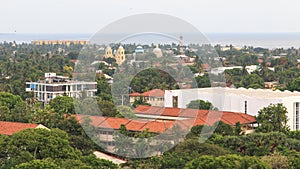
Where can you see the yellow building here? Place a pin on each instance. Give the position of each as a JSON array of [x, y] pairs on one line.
[[157, 51], [60, 42], [119, 55]]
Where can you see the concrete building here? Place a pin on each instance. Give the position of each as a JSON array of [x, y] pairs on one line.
[[53, 86], [248, 101]]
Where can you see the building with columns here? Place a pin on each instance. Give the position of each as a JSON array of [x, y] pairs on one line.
[[53, 86]]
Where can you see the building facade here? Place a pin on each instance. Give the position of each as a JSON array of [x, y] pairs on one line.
[[248, 101], [154, 97], [119, 55], [60, 42], [53, 86]]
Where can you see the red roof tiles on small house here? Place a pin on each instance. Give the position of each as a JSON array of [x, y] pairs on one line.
[[113, 123], [9, 128], [154, 93], [135, 94]]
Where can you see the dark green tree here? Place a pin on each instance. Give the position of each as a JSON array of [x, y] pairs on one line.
[[200, 104], [273, 118]]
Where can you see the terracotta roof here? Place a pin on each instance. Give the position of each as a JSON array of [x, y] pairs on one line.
[[154, 93], [136, 125], [113, 123], [208, 117], [157, 127], [205, 66], [9, 128], [166, 111], [135, 94]]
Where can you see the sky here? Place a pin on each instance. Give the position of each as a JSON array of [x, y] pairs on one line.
[[89, 16]]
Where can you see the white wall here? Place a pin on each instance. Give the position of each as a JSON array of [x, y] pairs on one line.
[[232, 102]]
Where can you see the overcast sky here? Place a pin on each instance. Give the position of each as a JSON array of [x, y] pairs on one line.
[[88, 16]]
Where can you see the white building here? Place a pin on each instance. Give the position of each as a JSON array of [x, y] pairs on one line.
[[53, 86], [249, 101], [219, 70]]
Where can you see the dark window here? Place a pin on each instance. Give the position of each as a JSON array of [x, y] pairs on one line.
[[175, 101], [245, 107]]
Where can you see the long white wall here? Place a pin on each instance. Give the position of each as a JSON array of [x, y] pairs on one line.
[[226, 101]]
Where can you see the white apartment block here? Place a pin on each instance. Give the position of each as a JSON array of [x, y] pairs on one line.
[[53, 86]]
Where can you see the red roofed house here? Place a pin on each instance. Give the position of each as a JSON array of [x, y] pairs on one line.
[[158, 120], [154, 97], [9, 128]]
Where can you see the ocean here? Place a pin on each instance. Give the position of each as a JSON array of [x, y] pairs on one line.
[[265, 40]]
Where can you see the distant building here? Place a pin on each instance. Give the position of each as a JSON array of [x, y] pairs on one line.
[[119, 55], [219, 70], [249, 101], [53, 86], [139, 49], [157, 51], [60, 42], [154, 97]]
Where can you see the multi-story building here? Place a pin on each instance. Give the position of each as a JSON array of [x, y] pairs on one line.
[[249, 101], [53, 86]]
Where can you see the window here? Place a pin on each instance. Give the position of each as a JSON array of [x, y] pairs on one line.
[[296, 115], [245, 107], [175, 101]]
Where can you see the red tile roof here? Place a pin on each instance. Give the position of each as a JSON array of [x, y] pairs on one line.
[[136, 125], [9, 128], [135, 94], [194, 117], [158, 127], [208, 117], [154, 93], [113, 123]]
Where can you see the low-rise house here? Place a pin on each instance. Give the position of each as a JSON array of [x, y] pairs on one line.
[[154, 97], [9, 128]]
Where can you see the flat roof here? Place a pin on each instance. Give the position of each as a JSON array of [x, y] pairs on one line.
[[258, 93]]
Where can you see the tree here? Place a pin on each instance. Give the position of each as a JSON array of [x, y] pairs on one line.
[[140, 101], [295, 85], [37, 164], [63, 105], [203, 81], [200, 104], [273, 118], [276, 161], [125, 112], [226, 161], [252, 81]]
